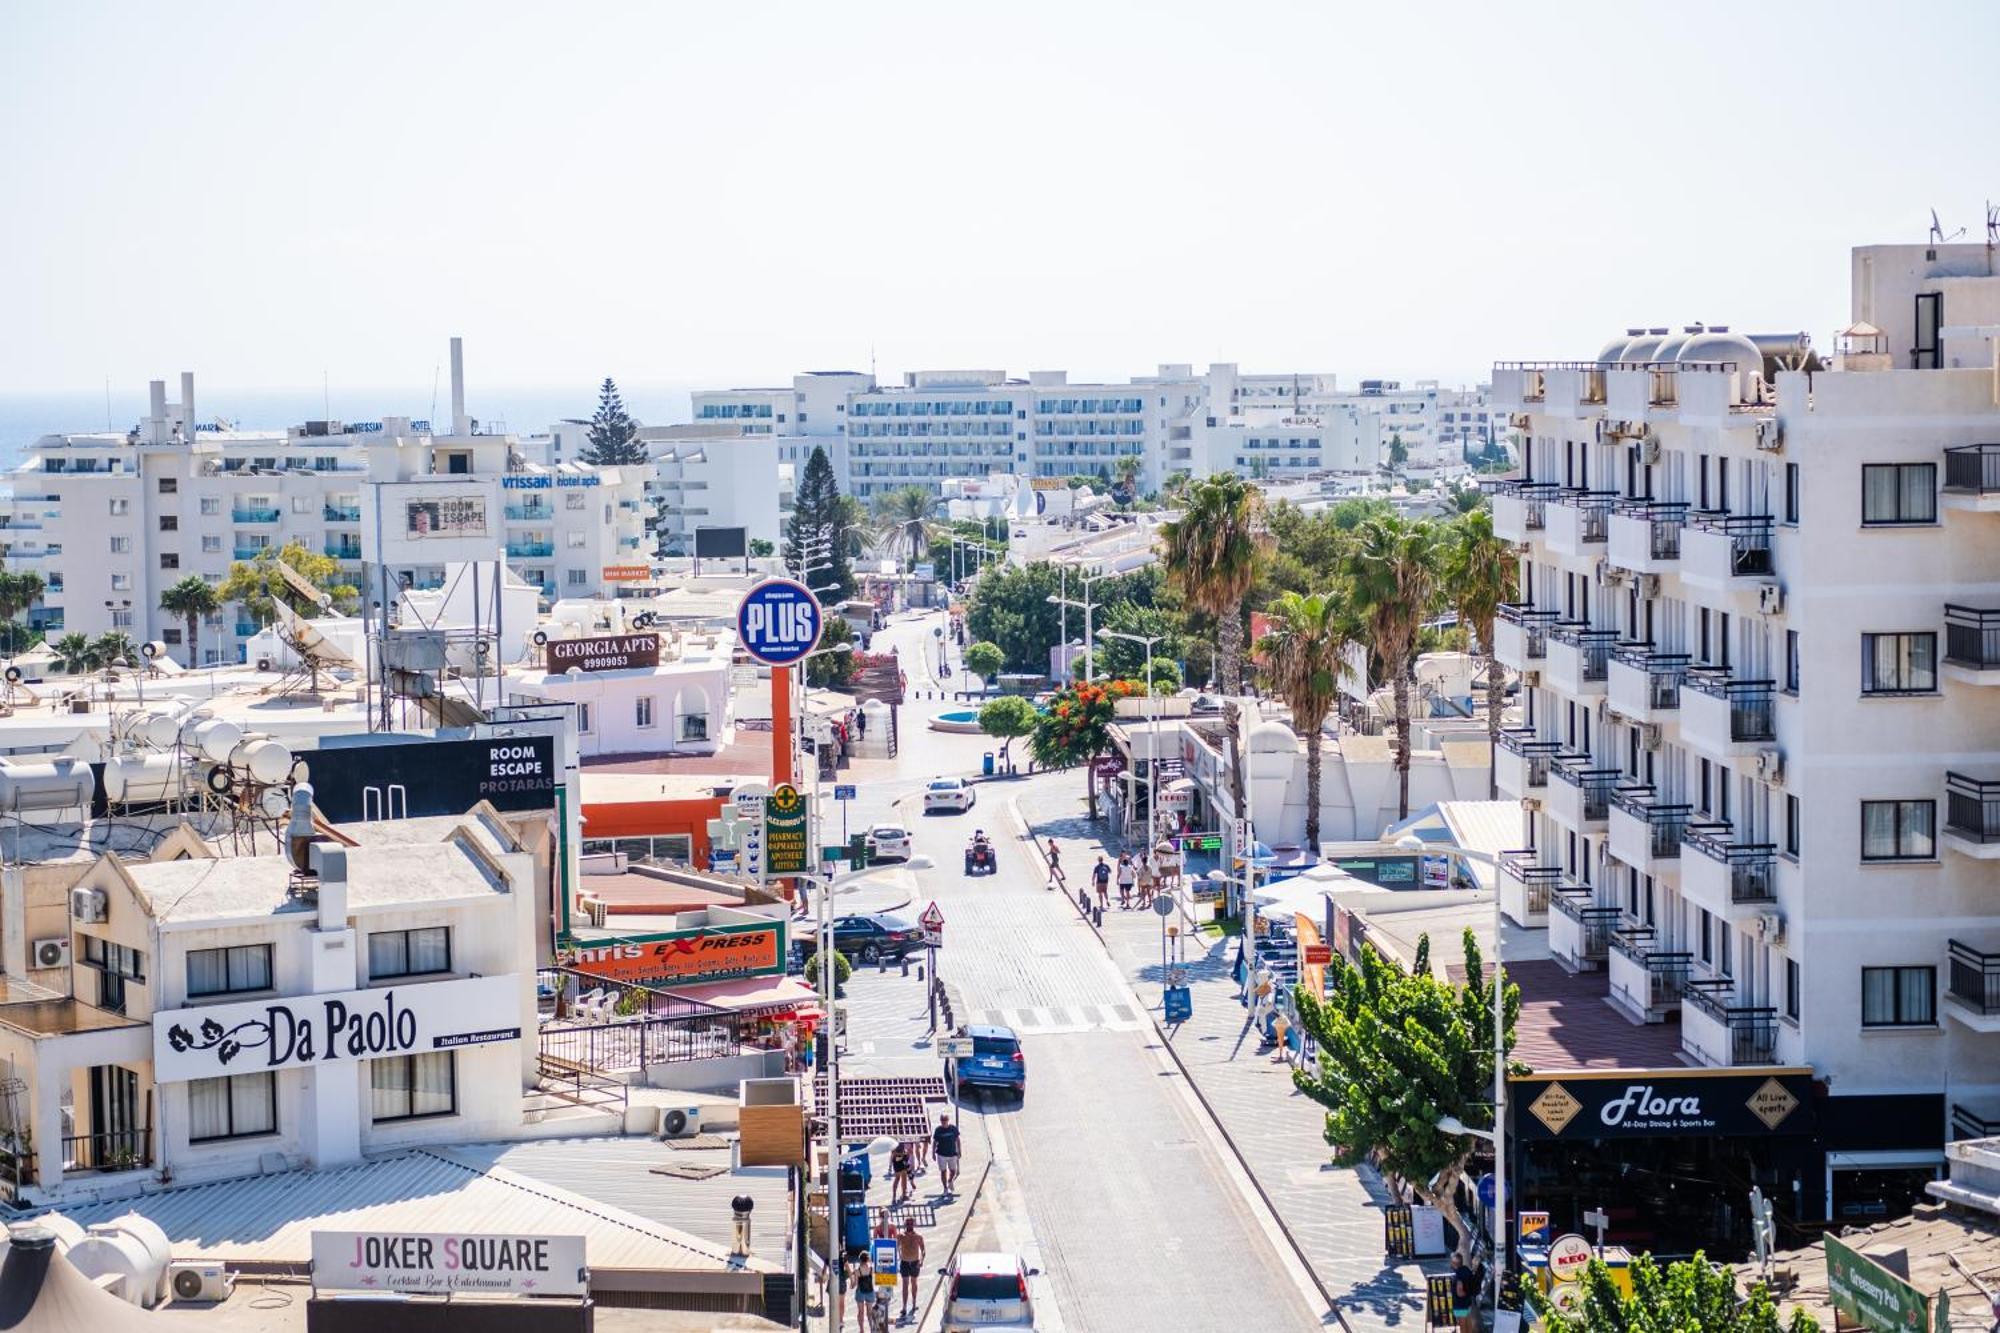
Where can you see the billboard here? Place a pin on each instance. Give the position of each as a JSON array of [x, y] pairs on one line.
[[617, 652], [712, 953], [717, 543], [446, 1262], [435, 777], [445, 516]]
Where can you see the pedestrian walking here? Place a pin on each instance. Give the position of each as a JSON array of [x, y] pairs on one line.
[[1127, 876], [944, 1145], [1281, 1032], [1146, 879], [909, 1264], [862, 1282], [1055, 866], [920, 1151], [1100, 875], [900, 1165], [1464, 1294]]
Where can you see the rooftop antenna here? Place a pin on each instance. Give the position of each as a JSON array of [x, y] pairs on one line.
[[434, 391], [1937, 231]]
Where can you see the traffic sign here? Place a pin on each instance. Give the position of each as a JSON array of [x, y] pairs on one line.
[[1568, 1257], [843, 792], [932, 918], [885, 1261], [954, 1048], [1163, 905], [1487, 1189], [833, 853], [779, 622], [1179, 1004]]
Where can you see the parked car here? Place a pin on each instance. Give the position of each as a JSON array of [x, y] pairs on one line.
[[949, 794], [872, 935], [996, 1060], [888, 842], [987, 1290]]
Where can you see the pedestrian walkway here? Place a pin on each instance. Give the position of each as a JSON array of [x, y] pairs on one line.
[[1333, 1214]]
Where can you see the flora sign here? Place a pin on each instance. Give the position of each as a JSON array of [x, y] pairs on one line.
[[211, 1040]]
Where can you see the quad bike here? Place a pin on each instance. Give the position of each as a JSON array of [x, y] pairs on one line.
[[979, 859]]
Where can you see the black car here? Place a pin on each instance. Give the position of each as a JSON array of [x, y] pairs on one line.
[[876, 935]]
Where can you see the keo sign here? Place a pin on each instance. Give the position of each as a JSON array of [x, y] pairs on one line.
[[778, 622]]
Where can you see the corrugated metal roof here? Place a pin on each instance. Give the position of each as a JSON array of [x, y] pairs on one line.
[[1484, 826], [270, 1219]]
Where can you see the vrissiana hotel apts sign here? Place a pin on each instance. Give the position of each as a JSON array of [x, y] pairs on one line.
[[207, 1041]]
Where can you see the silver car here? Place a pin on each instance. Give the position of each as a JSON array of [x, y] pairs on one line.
[[988, 1290]]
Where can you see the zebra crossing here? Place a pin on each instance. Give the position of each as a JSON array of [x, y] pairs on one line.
[[1049, 1020]]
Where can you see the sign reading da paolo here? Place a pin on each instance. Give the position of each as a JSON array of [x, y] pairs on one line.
[[423, 1261], [206, 1041]]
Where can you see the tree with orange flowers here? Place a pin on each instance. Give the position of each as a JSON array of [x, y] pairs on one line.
[[1075, 727]]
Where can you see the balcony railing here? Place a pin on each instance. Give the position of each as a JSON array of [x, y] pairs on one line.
[[1975, 978], [340, 513], [119, 1150], [1663, 822], [1593, 512], [1668, 969], [250, 552], [1535, 754], [530, 550], [1753, 1030], [342, 551], [1596, 923], [1749, 539], [1666, 518], [1593, 646], [1535, 625], [529, 513], [1972, 469], [253, 516], [1972, 637], [1663, 671], [1971, 808], [1752, 866], [1523, 866], [1967, 1125], [1751, 702], [1534, 496], [1595, 783]]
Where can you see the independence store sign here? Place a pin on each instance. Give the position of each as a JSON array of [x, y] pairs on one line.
[[437, 777], [424, 1261], [208, 1041], [1661, 1104]]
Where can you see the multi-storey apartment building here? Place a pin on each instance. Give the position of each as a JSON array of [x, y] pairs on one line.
[[1759, 632], [118, 518]]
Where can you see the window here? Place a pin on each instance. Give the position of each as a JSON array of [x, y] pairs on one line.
[[171, 637], [1792, 494], [1899, 663], [243, 967], [1898, 997], [408, 1087], [121, 545], [576, 539], [1707, 935], [115, 966], [1898, 493], [573, 500], [120, 507], [1791, 661], [1898, 830], [577, 577], [232, 1107], [121, 583], [168, 560], [583, 718], [644, 710], [170, 523], [170, 485], [121, 620], [211, 504], [1793, 819], [1792, 987], [409, 953], [211, 546]]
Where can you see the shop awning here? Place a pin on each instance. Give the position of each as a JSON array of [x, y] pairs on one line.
[[745, 994]]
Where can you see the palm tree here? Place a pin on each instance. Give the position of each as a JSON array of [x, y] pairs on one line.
[[1127, 475], [1211, 559], [112, 645], [191, 599], [18, 592], [1478, 576], [1304, 656], [903, 516], [75, 653], [1393, 570]]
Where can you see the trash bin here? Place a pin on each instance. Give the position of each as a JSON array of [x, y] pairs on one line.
[[988, 765], [853, 1224]]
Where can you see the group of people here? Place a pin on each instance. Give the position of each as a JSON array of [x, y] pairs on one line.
[[906, 1162], [1138, 877]]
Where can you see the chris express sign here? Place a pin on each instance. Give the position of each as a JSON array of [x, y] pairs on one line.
[[207, 1041], [427, 1261]]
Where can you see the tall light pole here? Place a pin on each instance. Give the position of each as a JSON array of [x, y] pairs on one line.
[[1409, 842], [1152, 726], [1089, 606]]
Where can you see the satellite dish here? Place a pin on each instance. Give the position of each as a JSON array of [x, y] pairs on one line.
[[13, 675], [149, 650], [540, 637]]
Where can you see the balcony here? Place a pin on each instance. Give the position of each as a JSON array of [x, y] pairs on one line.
[[1967, 1125], [253, 516], [340, 513], [1578, 657], [1645, 831], [1579, 930], [1972, 816], [1522, 765], [529, 514], [1721, 550], [250, 552], [1516, 384], [1645, 535], [1572, 389], [1525, 885], [1972, 645], [1972, 478], [1578, 520], [1726, 717], [343, 550], [1734, 880], [1719, 1032], [1580, 795], [1520, 635], [1644, 685], [1646, 981], [530, 550], [1520, 508], [115, 1150], [247, 629], [1972, 988]]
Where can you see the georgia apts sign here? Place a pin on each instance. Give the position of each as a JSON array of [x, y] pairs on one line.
[[207, 1041]]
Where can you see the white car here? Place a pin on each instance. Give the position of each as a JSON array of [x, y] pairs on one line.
[[988, 1290], [949, 794], [888, 842]]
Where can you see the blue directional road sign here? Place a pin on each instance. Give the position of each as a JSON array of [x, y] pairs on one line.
[[843, 792], [1179, 1004], [779, 622]]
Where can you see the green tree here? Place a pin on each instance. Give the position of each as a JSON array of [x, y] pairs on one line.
[[191, 598], [614, 436], [1125, 659], [1075, 728], [761, 549], [903, 520], [1304, 657], [1689, 1294], [819, 513], [19, 591], [842, 969], [257, 586], [1393, 573], [75, 653], [1007, 719], [985, 660], [1477, 577], [1399, 453], [1101, 481], [114, 645], [1399, 1053], [1010, 607], [831, 671], [1126, 486]]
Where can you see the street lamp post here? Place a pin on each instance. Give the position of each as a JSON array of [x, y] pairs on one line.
[[1089, 606], [1409, 842], [1152, 726]]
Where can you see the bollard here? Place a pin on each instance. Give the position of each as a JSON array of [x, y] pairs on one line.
[[906, 964], [1097, 916]]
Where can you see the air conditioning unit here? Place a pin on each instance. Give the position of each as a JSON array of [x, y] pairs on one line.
[[200, 1280], [597, 910], [680, 1122], [51, 952], [1649, 449], [1649, 585], [1609, 574], [1531, 679], [1771, 766], [1518, 420], [1531, 804], [1649, 735], [1771, 598], [88, 905], [1771, 435], [1771, 927]]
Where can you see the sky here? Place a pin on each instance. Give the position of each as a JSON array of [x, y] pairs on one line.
[[713, 194]]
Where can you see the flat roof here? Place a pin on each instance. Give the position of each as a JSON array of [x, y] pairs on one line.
[[40, 1017], [236, 887]]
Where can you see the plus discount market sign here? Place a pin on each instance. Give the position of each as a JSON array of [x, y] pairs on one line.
[[779, 622]]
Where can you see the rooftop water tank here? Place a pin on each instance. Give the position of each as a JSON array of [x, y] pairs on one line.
[[215, 738], [1745, 361], [141, 779], [62, 783]]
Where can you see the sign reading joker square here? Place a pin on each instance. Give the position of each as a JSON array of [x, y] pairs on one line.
[[778, 622], [421, 1261], [207, 1041]]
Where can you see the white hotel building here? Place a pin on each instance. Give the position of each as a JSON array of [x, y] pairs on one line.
[[1759, 761]]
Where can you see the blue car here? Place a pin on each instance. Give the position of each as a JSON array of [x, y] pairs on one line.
[[996, 1060]]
